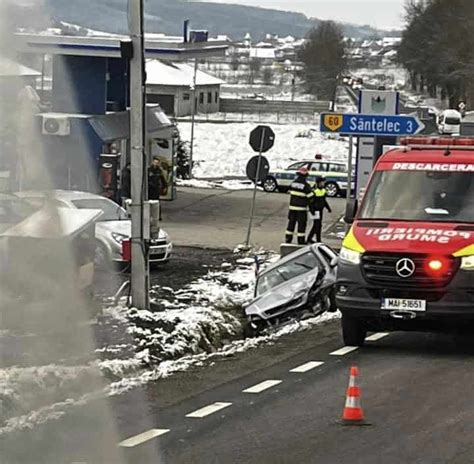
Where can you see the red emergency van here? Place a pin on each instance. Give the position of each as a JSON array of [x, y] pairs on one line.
[[408, 261]]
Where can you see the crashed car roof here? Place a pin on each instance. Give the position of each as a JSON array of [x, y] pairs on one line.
[[314, 247]]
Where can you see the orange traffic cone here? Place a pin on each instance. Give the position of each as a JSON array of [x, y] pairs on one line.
[[353, 413]]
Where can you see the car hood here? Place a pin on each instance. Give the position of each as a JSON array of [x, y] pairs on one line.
[[123, 227], [119, 227], [411, 237], [284, 293]]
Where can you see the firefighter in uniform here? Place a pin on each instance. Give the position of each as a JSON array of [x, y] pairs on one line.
[[301, 196], [320, 203]]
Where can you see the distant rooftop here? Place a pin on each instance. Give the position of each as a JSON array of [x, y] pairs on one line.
[[161, 73]]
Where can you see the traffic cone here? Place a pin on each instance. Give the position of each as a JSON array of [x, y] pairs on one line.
[[353, 413]]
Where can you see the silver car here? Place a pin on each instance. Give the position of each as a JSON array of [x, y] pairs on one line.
[[302, 282], [112, 228]]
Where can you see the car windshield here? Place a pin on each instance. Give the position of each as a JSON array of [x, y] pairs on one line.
[[295, 166], [111, 211], [420, 196], [287, 271]]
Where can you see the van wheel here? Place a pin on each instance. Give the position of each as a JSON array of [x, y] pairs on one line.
[[332, 189], [354, 331]]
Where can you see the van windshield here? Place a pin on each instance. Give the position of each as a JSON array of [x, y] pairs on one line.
[[420, 196], [452, 121]]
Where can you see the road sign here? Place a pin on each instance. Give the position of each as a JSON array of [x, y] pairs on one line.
[[370, 125], [262, 138], [263, 168]]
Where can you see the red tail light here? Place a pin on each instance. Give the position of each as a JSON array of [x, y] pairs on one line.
[[127, 250]]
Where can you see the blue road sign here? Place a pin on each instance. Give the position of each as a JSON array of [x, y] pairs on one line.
[[370, 125]]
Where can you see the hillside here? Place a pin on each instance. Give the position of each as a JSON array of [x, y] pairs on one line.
[[167, 16]]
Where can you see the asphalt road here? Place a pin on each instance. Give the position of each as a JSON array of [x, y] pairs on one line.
[[219, 218], [416, 393]]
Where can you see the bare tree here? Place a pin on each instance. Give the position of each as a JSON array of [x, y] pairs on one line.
[[324, 58]]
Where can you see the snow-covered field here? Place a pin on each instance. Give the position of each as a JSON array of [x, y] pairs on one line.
[[223, 149], [195, 325]]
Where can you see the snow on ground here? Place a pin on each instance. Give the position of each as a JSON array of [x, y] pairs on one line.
[[223, 150], [193, 326]]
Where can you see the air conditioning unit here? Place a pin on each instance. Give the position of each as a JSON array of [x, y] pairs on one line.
[[56, 125]]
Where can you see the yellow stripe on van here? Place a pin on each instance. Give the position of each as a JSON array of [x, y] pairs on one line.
[[468, 251], [351, 243]]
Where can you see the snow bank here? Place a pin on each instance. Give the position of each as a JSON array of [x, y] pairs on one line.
[[223, 149], [199, 323]]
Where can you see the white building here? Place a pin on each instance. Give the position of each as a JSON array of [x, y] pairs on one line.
[[170, 85]]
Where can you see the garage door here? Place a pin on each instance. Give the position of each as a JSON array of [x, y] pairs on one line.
[[165, 101]]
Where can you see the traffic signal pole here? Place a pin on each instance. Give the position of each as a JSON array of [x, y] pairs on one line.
[[140, 278]]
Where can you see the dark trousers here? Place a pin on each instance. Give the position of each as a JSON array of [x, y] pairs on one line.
[[316, 230], [300, 219]]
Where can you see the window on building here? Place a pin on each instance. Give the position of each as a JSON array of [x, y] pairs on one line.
[[186, 96], [217, 97], [209, 97], [201, 98]]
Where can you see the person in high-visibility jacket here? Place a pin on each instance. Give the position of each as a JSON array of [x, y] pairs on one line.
[[320, 203], [301, 196]]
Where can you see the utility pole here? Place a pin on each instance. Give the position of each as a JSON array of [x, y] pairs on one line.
[[193, 118], [140, 279]]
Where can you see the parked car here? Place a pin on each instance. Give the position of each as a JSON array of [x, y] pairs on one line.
[[112, 228], [302, 282], [334, 172]]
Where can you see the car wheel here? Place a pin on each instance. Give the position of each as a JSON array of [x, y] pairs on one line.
[[354, 331], [102, 258], [270, 185], [332, 189]]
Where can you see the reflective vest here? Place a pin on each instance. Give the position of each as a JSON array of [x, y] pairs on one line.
[[319, 200], [301, 194]]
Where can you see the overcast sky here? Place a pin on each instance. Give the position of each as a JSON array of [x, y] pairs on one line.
[[379, 13]]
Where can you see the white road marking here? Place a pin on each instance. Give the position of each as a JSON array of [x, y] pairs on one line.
[[260, 387], [344, 351], [142, 438], [377, 336], [307, 367], [208, 410]]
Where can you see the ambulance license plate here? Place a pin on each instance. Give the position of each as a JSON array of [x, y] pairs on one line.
[[397, 304]]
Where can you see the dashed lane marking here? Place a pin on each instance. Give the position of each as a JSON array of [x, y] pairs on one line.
[[344, 351], [377, 336], [208, 410], [307, 367], [142, 438], [260, 387]]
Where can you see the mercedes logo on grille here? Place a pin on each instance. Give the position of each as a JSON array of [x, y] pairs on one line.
[[405, 268]]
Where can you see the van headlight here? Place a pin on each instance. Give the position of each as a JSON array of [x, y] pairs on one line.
[[350, 256], [467, 263]]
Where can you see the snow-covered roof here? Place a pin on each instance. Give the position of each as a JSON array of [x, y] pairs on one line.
[[9, 68], [176, 74], [264, 45]]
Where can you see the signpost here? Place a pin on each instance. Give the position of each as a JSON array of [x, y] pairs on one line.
[[368, 125], [262, 139]]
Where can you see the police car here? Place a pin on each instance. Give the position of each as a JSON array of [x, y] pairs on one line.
[[335, 174]]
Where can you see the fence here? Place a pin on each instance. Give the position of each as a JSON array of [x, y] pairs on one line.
[[237, 105], [275, 118]]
